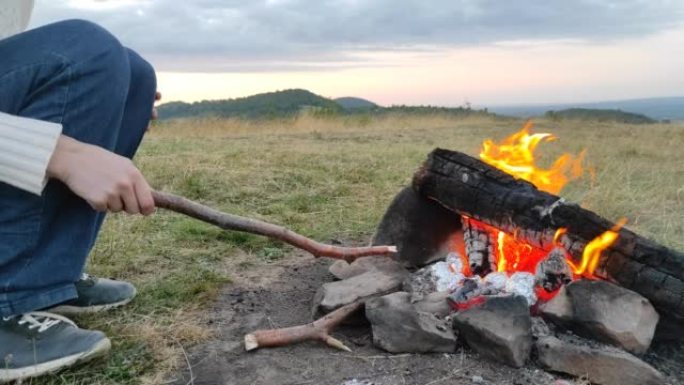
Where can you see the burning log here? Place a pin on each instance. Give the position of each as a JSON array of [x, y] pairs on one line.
[[318, 330], [472, 188], [254, 226], [479, 247]]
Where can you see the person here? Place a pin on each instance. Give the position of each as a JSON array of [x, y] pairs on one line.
[[74, 105]]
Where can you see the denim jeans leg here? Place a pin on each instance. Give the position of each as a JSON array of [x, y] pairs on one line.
[[77, 74], [136, 116]]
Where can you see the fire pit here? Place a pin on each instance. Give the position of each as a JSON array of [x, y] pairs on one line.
[[490, 256]]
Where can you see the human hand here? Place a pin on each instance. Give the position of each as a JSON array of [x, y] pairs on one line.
[[107, 181]]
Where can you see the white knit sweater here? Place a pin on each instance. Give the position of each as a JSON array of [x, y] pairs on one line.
[[26, 145]]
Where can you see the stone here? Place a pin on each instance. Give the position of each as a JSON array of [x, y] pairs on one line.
[[499, 329], [540, 328], [605, 312], [559, 309], [343, 270], [398, 327], [421, 229], [601, 364], [435, 304], [333, 295]]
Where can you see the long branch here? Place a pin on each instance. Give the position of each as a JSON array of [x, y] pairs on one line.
[[234, 222], [318, 330]]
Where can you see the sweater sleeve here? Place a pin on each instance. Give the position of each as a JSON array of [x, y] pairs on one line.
[[26, 146]]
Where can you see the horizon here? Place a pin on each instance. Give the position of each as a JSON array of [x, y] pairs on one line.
[[437, 105], [485, 53]]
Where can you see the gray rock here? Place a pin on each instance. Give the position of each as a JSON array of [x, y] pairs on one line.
[[399, 328], [333, 295], [540, 328], [499, 329], [605, 312], [601, 364], [435, 304], [343, 270]]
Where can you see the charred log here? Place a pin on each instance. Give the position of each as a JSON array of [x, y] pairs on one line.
[[479, 247], [470, 187], [553, 271]]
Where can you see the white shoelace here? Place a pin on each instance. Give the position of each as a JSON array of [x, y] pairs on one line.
[[40, 320]]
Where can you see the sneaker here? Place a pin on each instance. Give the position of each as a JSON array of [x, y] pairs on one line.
[[96, 295], [37, 343]]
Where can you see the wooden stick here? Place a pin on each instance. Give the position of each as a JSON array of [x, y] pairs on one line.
[[315, 331], [254, 226]]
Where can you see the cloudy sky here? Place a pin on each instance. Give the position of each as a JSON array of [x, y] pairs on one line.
[[442, 52]]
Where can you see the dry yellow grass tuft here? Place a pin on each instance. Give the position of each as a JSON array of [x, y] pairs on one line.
[[326, 178]]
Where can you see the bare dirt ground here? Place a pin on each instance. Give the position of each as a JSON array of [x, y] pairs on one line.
[[280, 295]]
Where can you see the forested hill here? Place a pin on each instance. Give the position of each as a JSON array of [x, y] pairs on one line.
[[600, 115], [287, 103], [267, 105]]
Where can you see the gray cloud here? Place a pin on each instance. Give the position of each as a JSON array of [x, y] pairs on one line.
[[238, 35]]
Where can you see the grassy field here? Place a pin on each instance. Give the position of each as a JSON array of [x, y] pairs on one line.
[[328, 179]]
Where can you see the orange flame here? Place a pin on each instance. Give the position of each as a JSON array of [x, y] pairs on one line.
[[515, 155], [501, 262], [559, 233], [592, 252]]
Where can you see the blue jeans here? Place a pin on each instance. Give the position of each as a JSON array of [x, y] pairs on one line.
[[77, 74]]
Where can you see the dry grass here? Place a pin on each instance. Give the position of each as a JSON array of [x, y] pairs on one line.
[[326, 178]]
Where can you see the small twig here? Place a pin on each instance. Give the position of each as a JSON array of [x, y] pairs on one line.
[[191, 381], [255, 226], [316, 330]]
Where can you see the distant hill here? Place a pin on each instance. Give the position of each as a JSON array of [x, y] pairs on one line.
[[353, 103], [289, 103], [268, 105], [600, 115], [670, 108]]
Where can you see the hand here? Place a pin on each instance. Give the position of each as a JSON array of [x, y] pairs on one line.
[[155, 114], [105, 180]]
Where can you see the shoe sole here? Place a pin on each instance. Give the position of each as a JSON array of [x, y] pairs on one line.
[[69, 310], [8, 375]]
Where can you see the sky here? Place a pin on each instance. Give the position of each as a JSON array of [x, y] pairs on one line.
[[415, 52]]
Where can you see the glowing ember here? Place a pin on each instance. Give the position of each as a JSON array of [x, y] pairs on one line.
[[515, 155]]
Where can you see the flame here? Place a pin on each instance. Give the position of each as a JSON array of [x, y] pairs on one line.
[[559, 234], [592, 252], [501, 261], [515, 155]]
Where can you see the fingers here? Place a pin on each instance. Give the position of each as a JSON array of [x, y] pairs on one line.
[[114, 204], [143, 192], [129, 199]]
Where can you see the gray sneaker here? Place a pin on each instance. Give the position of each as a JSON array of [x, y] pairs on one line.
[[37, 343], [96, 295]]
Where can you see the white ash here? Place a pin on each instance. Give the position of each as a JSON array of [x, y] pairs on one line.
[[497, 280], [522, 283], [442, 276]]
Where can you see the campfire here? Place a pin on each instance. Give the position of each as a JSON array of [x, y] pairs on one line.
[[489, 255], [494, 262]]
